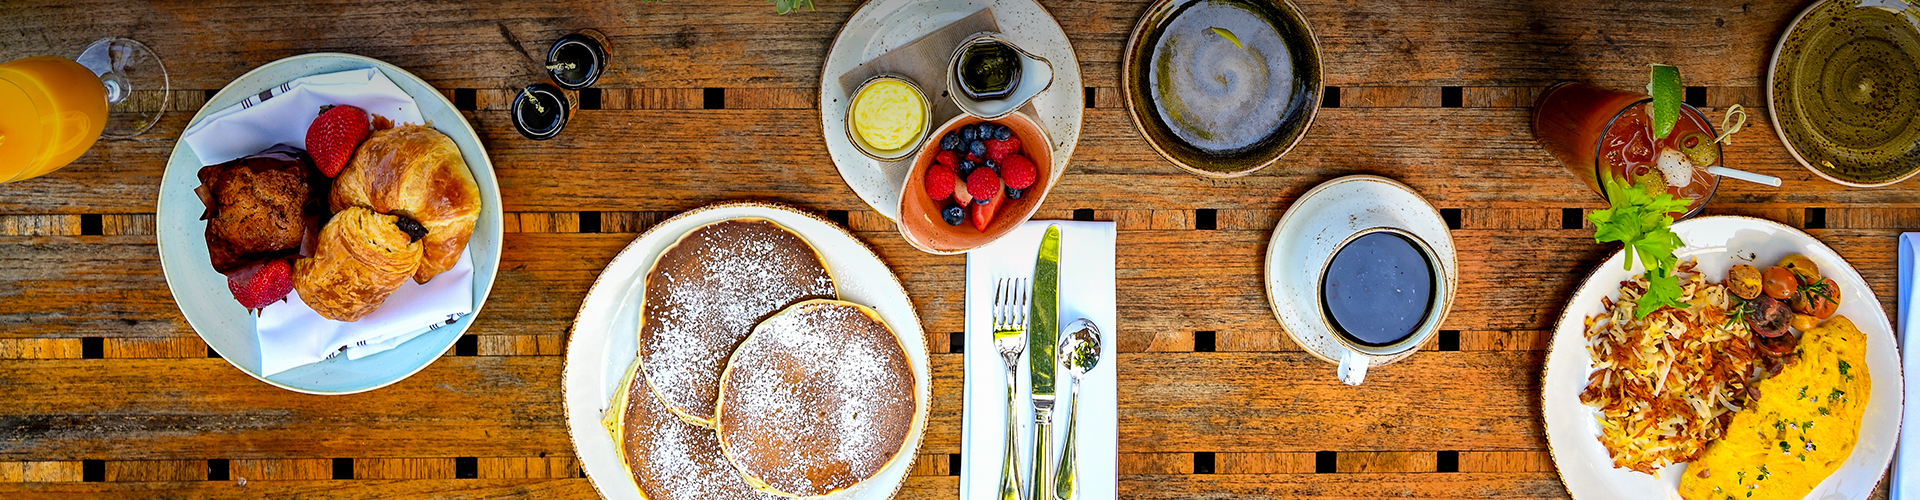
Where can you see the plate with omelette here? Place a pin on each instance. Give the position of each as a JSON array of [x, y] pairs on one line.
[[747, 351], [1694, 403]]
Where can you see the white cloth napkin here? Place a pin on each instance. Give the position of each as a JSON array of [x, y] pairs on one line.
[[281, 114], [291, 334], [1906, 459], [1086, 291]]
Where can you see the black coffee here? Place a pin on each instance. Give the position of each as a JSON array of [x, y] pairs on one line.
[[1378, 289]]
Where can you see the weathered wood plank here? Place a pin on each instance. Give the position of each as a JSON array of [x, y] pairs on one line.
[[741, 43], [176, 409], [1174, 282], [671, 160]]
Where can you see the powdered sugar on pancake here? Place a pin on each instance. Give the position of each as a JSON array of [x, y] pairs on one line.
[[705, 294], [819, 399], [674, 460]]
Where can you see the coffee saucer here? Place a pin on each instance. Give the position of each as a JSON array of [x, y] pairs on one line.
[[1315, 226]]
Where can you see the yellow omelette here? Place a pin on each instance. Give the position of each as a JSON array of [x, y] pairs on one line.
[[1799, 429]]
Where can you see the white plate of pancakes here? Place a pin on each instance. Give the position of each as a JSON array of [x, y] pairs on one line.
[[606, 341], [1717, 243]]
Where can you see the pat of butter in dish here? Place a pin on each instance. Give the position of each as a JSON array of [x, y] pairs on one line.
[[888, 115]]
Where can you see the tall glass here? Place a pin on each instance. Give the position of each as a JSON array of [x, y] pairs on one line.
[[53, 109], [1589, 128]]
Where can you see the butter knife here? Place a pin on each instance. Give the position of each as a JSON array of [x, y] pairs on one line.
[[1044, 328]]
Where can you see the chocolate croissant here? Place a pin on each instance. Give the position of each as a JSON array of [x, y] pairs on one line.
[[360, 259], [416, 172]]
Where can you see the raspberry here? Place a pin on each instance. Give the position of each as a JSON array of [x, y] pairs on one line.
[[940, 181], [983, 184], [1019, 172]]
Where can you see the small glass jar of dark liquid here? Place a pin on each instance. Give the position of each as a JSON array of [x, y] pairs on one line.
[[539, 112], [989, 70], [576, 61]]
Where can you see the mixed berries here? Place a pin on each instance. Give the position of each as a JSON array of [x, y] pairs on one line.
[[978, 167]]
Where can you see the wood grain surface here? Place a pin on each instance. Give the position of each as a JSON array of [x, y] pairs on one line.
[[111, 394]]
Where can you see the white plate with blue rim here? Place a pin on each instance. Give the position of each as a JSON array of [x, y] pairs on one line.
[[202, 295]]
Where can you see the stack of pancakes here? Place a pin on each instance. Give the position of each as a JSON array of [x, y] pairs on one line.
[[751, 381]]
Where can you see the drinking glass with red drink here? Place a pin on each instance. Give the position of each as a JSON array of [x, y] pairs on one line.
[[1597, 132]]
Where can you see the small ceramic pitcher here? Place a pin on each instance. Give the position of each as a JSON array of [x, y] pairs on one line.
[[1036, 74]]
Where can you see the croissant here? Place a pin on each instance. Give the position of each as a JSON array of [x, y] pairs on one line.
[[414, 171], [360, 259]]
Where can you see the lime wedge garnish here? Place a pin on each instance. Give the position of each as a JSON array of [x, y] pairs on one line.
[[1666, 92], [1229, 36]]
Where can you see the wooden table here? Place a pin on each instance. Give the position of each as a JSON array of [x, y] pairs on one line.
[[108, 391]]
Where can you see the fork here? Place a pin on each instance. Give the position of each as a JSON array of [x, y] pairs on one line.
[[1010, 299]]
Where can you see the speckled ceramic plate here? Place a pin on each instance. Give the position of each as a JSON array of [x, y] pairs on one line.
[[882, 25], [1315, 226], [1220, 107], [1718, 242], [605, 335], [202, 293], [1844, 85]]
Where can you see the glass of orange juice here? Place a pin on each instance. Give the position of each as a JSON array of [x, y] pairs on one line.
[[53, 109]]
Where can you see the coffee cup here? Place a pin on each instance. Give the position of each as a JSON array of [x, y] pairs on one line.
[[1381, 294]]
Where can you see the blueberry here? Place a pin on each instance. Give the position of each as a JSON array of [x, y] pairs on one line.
[[1002, 133], [966, 168], [950, 142], [953, 214], [969, 133], [992, 165], [981, 201], [1013, 194], [979, 149]]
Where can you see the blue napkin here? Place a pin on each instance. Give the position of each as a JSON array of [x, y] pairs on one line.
[[1906, 459]]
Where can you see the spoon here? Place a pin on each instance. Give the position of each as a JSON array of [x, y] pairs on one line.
[[1079, 352]]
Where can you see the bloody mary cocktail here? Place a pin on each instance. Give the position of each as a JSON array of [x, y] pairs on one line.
[[1589, 128]]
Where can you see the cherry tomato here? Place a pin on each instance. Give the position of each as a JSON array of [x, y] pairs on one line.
[[1779, 283], [1819, 298], [1801, 266], [1769, 317], [1744, 281], [1804, 322], [1778, 346]]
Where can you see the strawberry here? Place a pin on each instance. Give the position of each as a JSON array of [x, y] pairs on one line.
[[1018, 171], [947, 158], [983, 212], [261, 285], [997, 150], [982, 184], [960, 194], [940, 181], [334, 135]]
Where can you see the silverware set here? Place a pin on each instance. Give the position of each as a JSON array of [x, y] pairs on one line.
[[1025, 321]]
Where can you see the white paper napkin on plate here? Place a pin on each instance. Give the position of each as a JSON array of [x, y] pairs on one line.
[[291, 334], [281, 114], [1086, 291], [1906, 459]]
